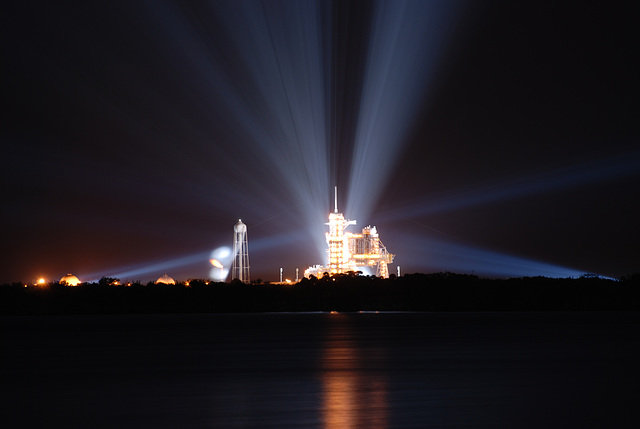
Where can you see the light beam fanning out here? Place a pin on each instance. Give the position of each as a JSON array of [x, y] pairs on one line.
[[405, 45], [565, 178], [440, 255]]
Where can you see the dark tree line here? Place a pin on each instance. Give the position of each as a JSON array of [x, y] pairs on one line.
[[348, 292]]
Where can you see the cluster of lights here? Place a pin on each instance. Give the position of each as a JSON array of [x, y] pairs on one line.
[[346, 251], [69, 280], [337, 240]]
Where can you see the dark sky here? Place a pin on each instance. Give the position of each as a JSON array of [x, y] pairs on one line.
[[482, 137]]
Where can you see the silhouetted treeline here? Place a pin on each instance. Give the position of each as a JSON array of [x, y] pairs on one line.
[[412, 292]]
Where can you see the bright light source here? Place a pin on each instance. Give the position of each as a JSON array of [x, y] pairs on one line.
[[218, 259], [221, 253]]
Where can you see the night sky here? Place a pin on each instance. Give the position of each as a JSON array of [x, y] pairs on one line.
[[478, 137]]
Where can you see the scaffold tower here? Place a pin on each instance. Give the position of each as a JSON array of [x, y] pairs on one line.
[[347, 251]]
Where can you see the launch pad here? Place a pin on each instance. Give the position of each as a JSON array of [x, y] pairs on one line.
[[348, 251]]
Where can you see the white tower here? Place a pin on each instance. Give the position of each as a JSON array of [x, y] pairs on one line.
[[337, 241], [240, 268]]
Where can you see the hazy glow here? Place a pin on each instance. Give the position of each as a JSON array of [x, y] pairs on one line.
[[220, 257], [70, 280], [219, 274], [165, 279], [221, 253]]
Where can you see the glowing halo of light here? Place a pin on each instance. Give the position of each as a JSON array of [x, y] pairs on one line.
[[220, 258], [70, 280], [219, 274], [222, 254]]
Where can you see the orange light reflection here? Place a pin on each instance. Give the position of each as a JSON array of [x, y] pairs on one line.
[[351, 397]]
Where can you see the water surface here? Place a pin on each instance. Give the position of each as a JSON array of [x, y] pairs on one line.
[[453, 370]]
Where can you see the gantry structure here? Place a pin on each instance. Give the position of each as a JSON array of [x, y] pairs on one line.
[[347, 251]]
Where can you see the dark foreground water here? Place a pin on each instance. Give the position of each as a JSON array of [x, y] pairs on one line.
[[509, 370]]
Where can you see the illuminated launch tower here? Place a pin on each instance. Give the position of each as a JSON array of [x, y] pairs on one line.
[[338, 250], [366, 249], [240, 268], [348, 251]]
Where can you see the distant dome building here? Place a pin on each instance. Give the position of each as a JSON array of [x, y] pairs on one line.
[[70, 280], [166, 280]]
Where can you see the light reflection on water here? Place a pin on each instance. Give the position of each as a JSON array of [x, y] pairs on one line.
[[525, 370], [350, 398]]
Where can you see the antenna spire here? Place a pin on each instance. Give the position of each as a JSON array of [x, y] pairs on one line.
[[335, 210]]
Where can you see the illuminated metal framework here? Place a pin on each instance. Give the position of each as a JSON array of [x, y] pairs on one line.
[[337, 240], [347, 251], [366, 249], [240, 268]]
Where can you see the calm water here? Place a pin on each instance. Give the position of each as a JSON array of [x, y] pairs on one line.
[[322, 370]]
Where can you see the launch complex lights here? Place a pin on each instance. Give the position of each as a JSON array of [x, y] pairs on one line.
[[348, 251]]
